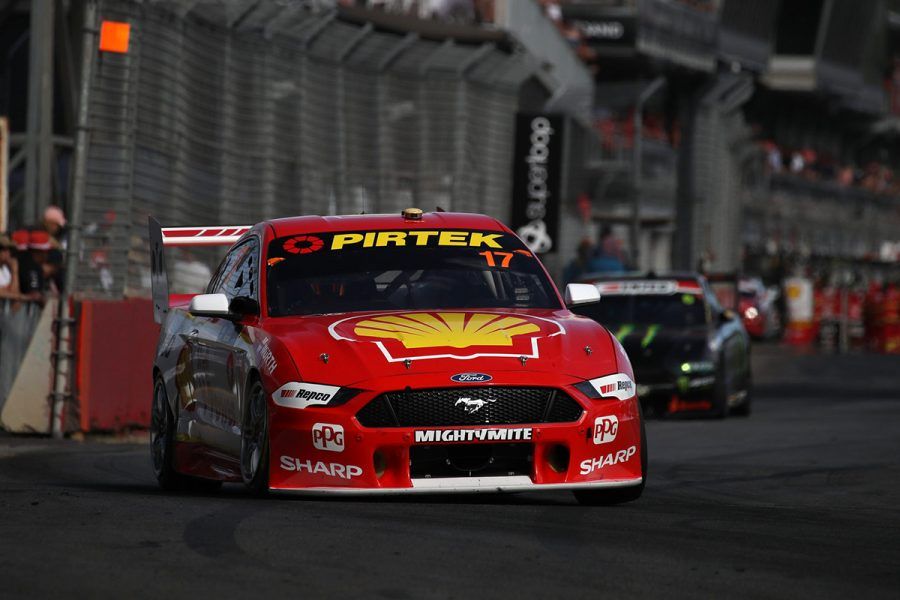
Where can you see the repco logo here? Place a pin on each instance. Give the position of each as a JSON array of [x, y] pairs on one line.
[[328, 437], [605, 429]]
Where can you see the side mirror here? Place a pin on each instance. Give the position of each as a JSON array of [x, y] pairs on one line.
[[581, 293], [243, 306], [210, 305], [726, 316]]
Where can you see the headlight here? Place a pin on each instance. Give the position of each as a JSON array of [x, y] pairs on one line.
[[751, 313], [700, 366], [618, 386], [300, 394]]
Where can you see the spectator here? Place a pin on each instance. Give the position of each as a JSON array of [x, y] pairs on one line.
[[797, 164], [9, 270], [54, 223], [579, 265], [773, 156], [20, 239], [53, 270], [609, 257], [32, 272]]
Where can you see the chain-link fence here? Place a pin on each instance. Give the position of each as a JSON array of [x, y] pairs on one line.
[[237, 112]]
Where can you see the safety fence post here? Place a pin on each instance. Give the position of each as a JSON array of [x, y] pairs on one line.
[[63, 355]]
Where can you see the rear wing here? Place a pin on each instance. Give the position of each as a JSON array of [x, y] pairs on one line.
[[161, 237]]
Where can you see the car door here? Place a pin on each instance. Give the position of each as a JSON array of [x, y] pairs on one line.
[[219, 353]]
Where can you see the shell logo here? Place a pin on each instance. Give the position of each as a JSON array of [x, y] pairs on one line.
[[462, 335], [455, 330]]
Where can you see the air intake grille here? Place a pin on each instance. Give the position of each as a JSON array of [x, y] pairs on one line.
[[469, 406]]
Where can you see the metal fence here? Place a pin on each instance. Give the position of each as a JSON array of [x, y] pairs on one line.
[[237, 112]]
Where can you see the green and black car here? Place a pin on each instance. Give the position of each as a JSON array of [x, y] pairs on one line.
[[688, 353]]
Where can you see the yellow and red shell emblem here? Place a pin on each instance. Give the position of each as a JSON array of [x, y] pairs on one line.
[[445, 334]]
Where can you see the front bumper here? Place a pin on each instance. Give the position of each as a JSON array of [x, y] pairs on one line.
[[681, 393], [458, 485], [325, 450]]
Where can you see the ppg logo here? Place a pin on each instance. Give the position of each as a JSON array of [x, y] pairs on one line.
[[605, 429], [328, 437]]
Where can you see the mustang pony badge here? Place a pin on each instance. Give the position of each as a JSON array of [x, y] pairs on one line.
[[471, 405], [460, 335]]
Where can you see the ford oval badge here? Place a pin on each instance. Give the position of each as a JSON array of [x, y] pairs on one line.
[[471, 377]]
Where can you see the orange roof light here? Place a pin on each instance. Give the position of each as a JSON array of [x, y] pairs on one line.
[[114, 36]]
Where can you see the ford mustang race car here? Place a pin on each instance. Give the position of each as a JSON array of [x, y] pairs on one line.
[[388, 354], [689, 354]]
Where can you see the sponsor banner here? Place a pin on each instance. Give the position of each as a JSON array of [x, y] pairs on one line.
[[266, 357], [446, 436], [605, 429], [471, 378], [590, 465], [381, 239], [799, 299], [537, 173], [318, 467], [328, 437], [638, 288], [618, 386], [602, 26], [295, 394], [463, 335]]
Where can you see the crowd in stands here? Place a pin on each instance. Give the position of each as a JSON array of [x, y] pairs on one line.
[[874, 177], [31, 259], [617, 132], [606, 256]]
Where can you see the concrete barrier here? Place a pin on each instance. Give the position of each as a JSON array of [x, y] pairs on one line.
[[27, 346]]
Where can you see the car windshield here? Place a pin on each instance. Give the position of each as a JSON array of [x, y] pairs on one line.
[[670, 310], [399, 270]]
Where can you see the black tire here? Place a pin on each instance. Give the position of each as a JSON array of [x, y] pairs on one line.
[[618, 495], [162, 444], [721, 392], [255, 440], [745, 408]]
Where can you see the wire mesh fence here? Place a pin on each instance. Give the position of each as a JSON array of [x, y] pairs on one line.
[[229, 116]]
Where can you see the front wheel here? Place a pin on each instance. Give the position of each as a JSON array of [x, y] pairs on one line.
[[619, 495], [255, 440]]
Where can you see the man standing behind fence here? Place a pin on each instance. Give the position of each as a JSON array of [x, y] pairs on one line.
[[13, 314], [9, 271]]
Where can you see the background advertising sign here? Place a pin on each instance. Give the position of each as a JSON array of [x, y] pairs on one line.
[[537, 165]]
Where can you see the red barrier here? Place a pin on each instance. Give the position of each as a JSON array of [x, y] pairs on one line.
[[883, 319], [116, 346], [891, 322]]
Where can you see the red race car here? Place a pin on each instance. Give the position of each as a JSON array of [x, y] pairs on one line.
[[383, 354]]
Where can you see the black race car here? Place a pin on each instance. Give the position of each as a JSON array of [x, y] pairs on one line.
[[688, 353]]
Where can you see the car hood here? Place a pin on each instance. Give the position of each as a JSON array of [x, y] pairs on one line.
[[659, 344], [348, 349]]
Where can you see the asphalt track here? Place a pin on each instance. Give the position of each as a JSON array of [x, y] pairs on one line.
[[802, 499]]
